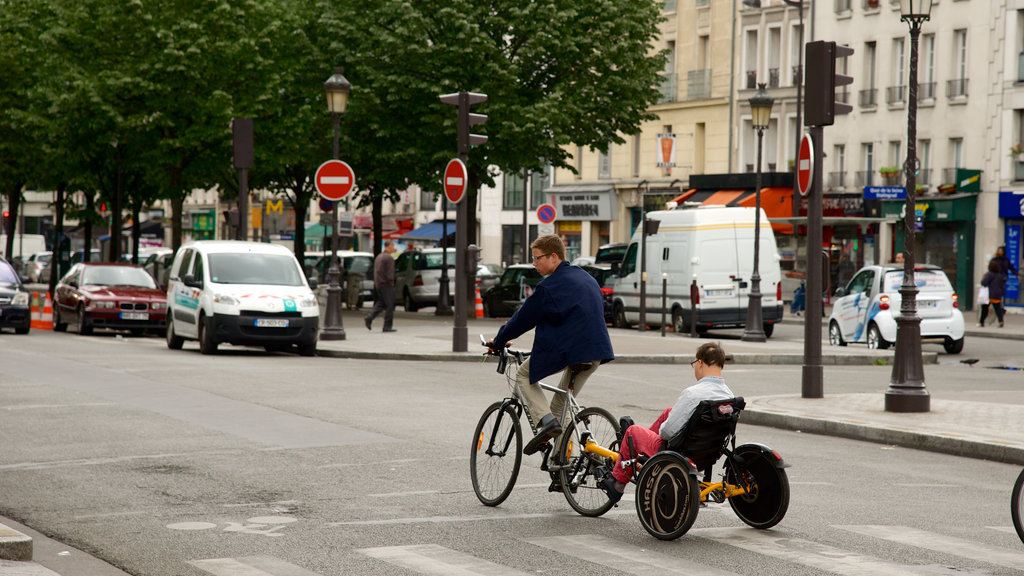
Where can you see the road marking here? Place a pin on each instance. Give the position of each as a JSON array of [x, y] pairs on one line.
[[627, 558], [805, 552], [477, 518], [250, 566], [941, 543], [434, 559]]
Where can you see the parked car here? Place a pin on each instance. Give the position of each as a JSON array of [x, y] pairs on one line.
[[611, 253], [157, 261], [512, 289], [418, 277], [602, 273], [487, 276], [318, 264], [108, 295], [76, 257], [865, 310], [14, 300], [35, 264]]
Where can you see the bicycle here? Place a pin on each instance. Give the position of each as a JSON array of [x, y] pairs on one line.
[[497, 450], [1017, 506]]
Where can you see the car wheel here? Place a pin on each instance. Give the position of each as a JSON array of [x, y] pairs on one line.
[[953, 346], [174, 342], [23, 329], [84, 328], [307, 349], [835, 336], [59, 325], [875, 340], [679, 321], [409, 303], [487, 310], [207, 341], [620, 316]]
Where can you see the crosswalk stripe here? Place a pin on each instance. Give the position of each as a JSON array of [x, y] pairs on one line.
[[804, 552], [434, 559], [250, 566], [626, 558], [942, 543]]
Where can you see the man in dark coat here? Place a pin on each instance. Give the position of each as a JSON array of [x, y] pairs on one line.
[[384, 281], [567, 310]]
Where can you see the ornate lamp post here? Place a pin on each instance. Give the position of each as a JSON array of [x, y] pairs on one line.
[[761, 113], [907, 392], [337, 89]]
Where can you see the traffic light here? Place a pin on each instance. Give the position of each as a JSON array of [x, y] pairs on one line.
[[7, 224], [467, 119], [820, 82]]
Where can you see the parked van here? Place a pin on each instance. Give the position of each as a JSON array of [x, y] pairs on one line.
[[245, 293], [712, 245]]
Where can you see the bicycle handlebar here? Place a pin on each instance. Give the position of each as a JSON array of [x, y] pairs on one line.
[[503, 354]]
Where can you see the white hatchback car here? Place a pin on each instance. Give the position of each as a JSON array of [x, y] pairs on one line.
[[865, 309]]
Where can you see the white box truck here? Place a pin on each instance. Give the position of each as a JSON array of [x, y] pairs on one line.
[[712, 246]]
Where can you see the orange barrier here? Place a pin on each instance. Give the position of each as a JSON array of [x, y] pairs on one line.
[[42, 316], [479, 303]]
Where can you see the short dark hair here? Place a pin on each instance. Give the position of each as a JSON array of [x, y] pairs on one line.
[[550, 244], [711, 354]]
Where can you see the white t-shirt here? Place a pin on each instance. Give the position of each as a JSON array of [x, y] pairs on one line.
[[707, 388]]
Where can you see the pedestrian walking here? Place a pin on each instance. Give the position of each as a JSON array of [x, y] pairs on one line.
[[995, 281], [384, 282]]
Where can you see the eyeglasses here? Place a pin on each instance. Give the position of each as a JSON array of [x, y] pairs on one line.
[[535, 258], [694, 362]]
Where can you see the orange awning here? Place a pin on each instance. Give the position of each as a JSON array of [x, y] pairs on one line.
[[723, 197], [684, 196], [777, 202]]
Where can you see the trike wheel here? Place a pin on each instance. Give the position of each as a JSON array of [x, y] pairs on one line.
[[579, 470], [1017, 506], [767, 498], [667, 496], [496, 454]]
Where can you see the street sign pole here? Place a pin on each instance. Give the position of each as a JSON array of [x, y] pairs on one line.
[[813, 372]]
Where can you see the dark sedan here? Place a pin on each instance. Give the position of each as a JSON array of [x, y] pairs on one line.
[[515, 285], [104, 295], [14, 300]]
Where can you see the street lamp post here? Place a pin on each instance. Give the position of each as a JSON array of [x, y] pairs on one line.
[[337, 89], [799, 4], [761, 113], [907, 392]]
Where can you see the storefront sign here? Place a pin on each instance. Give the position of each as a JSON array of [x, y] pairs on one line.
[[1011, 204], [885, 192], [1012, 237], [584, 206]]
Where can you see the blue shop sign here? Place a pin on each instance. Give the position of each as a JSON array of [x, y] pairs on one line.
[[1011, 204], [885, 192]]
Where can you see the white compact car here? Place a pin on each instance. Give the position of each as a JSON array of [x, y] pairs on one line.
[[245, 293], [866, 309]]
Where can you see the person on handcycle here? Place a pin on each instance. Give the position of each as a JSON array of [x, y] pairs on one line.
[[567, 310], [707, 370]]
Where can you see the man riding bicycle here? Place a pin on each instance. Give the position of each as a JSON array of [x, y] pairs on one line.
[[567, 310]]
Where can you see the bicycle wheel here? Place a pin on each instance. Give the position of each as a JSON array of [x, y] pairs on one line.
[[1017, 506], [579, 470], [768, 498], [496, 454], [667, 496]]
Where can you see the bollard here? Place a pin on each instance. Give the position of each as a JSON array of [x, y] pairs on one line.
[[694, 300], [664, 301]]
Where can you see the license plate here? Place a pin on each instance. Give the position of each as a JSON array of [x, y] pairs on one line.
[[928, 304], [718, 293], [271, 323], [134, 316]]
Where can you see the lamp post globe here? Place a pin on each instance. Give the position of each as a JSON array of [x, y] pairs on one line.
[[337, 88], [907, 391], [760, 116]]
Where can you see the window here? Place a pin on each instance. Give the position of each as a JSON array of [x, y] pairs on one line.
[[774, 56], [795, 54], [926, 68], [837, 178], [579, 162], [604, 164], [752, 52], [629, 261], [636, 155], [958, 85], [956, 147], [894, 153], [428, 201], [898, 84], [513, 197], [924, 153]]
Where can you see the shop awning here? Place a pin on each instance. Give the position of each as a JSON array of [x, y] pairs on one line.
[[432, 231]]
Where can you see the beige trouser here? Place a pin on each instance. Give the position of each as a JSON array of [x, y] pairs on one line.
[[537, 403]]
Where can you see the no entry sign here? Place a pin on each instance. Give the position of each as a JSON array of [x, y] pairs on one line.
[[546, 213], [805, 165], [334, 180], [455, 177]]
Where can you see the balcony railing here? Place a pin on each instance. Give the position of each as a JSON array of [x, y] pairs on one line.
[[890, 178], [751, 79], [668, 88], [868, 98], [863, 178], [698, 84], [925, 91], [924, 177], [837, 180], [773, 77], [895, 95], [948, 176], [956, 88]]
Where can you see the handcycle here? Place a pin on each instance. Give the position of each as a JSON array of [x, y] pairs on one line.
[[753, 477], [585, 452], [1017, 506]]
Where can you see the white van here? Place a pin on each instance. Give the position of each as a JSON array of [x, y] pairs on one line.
[[245, 293], [713, 245]]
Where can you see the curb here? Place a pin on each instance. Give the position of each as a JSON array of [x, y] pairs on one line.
[[738, 359], [14, 545], [957, 446]]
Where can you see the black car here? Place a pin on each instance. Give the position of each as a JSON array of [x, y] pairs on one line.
[[602, 273], [611, 253], [515, 285], [14, 300]]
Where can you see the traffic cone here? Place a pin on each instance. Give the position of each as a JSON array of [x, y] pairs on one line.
[[479, 303]]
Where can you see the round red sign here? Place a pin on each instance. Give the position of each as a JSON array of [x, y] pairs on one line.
[[546, 213], [455, 177], [805, 165], [334, 180]]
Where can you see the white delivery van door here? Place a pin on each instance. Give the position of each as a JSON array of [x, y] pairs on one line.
[[719, 278]]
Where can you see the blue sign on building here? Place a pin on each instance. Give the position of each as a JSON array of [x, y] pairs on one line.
[[885, 192], [1012, 236], [1011, 204]]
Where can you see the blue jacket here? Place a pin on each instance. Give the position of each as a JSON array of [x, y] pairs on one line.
[[567, 309]]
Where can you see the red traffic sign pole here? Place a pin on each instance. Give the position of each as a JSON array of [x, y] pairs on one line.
[[455, 180], [334, 180], [805, 165]]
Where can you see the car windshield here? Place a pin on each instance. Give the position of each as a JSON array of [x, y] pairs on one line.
[[359, 264], [7, 275], [269, 269], [610, 253], [926, 280], [432, 260], [43, 258], [117, 276]]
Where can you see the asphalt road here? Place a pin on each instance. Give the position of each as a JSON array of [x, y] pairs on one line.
[[173, 463]]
